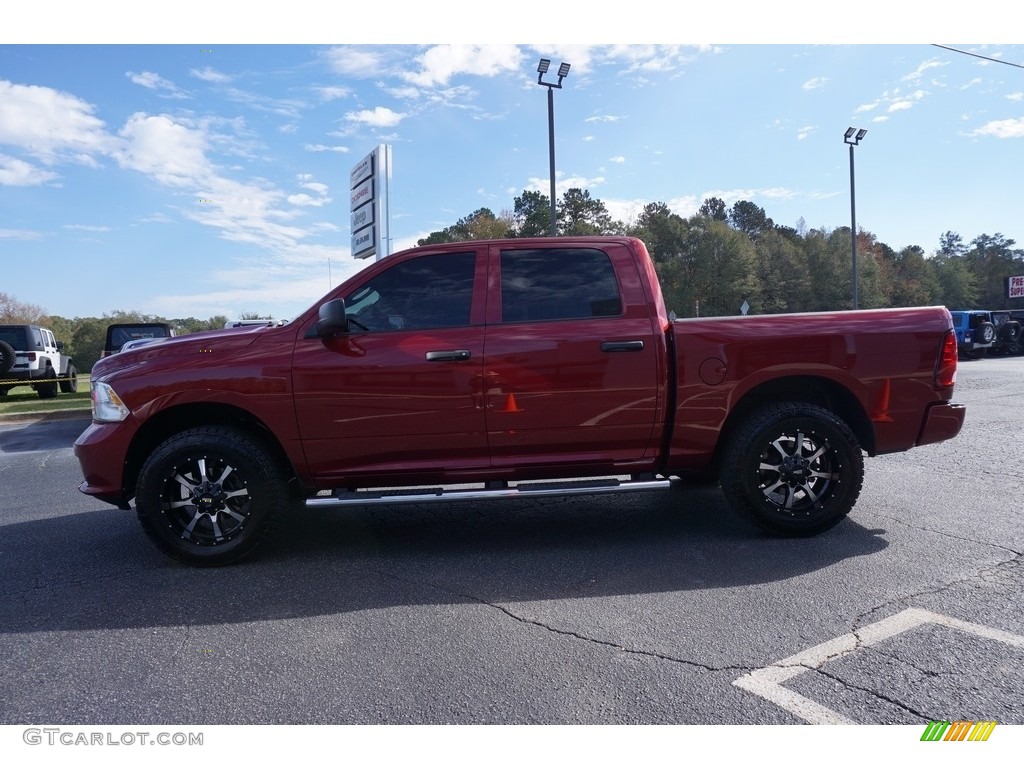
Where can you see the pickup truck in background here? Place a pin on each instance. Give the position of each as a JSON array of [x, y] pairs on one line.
[[512, 368]]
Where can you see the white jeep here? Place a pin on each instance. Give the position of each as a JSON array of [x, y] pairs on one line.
[[31, 355]]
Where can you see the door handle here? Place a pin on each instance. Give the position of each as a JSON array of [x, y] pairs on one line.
[[448, 355], [622, 346]]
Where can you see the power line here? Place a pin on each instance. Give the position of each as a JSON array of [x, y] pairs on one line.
[[979, 56]]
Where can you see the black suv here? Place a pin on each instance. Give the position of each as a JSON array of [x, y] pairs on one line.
[[119, 334]]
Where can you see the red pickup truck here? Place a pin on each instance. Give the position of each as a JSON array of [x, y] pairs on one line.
[[522, 367]]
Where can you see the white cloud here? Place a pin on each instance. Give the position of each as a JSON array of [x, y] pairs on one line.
[[18, 173], [1001, 129], [210, 75], [302, 199], [324, 148], [441, 63], [154, 82], [898, 106], [330, 93], [807, 130], [356, 62], [1018, 96], [168, 151], [815, 83], [380, 117], [564, 183], [403, 92], [51, 125], [922, 68], [19, 234], [617, 159], [604, 119], [87, 227]]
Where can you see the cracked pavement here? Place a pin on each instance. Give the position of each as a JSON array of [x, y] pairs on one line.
[[639, 608]]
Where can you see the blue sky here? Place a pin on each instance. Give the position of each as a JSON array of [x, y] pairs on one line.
[[190, 173]]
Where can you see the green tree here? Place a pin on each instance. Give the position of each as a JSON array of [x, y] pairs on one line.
[[750, 219], [482, 224], [719, 270], [951, 244], [531, 215], [828, 266], [88, 341], [17, 312], [713, 208], [910, 278], [782, 273], [580, 214], [958, 286], [992, 259]]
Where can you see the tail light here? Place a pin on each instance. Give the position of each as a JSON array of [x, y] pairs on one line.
[[31, 356], [945, 368]]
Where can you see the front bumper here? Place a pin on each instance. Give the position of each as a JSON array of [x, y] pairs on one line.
[[101, 451]]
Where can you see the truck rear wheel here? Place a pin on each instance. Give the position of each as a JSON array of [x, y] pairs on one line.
[[795, 468], [206, 496]]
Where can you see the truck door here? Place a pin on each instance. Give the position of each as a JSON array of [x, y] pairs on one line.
[[573, 358], [401, 391]]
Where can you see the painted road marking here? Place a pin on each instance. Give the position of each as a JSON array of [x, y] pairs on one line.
[[767, 681]]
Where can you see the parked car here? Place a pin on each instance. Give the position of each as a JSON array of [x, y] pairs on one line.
[[248, 323], [975, 332], [119, 334], [136, 343], [31, 354], [1008, 333]]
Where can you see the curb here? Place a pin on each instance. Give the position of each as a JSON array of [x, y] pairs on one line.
[[71, 413]]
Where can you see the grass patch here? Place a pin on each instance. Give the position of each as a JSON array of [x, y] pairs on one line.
[[23, 399]]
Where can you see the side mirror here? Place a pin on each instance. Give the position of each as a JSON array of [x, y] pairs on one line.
[[332, 319], [60, 346]]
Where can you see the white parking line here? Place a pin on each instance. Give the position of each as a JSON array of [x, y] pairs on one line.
[[767, 681]]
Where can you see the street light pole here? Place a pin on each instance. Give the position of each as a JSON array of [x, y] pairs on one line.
[[563, 70], [853, 137]]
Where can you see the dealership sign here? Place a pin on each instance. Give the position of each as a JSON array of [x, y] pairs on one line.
[[1015, 287], [369, 196]]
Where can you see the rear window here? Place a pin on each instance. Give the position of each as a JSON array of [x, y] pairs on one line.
[[14, 336], [22, 338]]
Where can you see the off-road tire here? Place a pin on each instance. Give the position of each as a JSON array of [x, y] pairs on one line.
[[47, 386], [794, 468], [207, 496], [6, 357], [69, 384]]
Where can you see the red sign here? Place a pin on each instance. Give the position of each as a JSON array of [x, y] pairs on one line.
[[1015, 287]]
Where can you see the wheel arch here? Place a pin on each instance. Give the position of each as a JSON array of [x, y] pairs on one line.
[[816, 390], [179, 418]]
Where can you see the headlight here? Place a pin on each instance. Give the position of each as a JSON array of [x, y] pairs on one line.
[[106, 405]]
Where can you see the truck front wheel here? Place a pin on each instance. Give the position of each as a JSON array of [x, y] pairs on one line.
[[206, 496], [795, 468]]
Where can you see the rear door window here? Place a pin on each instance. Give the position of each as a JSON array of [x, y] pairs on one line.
[[557, 284]]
